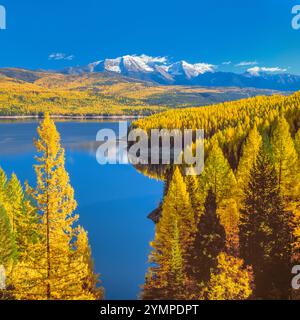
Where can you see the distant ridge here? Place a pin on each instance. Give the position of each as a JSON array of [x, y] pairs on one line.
[[161, 71]]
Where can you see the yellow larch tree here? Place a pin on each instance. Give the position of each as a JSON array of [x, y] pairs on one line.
[[230, 281], [172, 243], [285, 159], [54, 268], [250, 151]]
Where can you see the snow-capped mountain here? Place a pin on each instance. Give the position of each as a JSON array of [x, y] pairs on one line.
[[189, 71], [162, 71]]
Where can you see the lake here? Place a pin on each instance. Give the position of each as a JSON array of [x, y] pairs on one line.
[[113, 200]]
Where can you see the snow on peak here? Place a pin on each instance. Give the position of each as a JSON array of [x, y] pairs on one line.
[[136, 64], [112, 65], [149, 64], [204, 67], [190, 70]]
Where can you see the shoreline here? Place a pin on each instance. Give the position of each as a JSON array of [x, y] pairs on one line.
[[73, 117]]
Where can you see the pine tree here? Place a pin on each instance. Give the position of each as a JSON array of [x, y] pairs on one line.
[[230, 281], [265, 231], [210, 241], [218, 175], [285, 159], [52, 267]]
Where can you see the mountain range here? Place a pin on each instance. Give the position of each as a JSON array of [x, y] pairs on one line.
[[32, 92], [159, 70]]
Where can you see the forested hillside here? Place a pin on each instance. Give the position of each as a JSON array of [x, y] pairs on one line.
[[25, 92], [232, 232]]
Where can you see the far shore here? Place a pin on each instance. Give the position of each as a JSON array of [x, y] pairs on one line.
[[73, 117]]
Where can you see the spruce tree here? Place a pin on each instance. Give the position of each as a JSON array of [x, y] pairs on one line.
[[265, 231], [209, 242]]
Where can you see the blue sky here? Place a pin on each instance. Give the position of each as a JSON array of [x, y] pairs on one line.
[[213, 31]]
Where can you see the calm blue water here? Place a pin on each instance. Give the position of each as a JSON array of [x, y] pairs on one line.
[[113, 200]]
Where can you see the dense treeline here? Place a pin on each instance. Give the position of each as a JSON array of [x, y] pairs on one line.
[[233, 231], [45, 253]]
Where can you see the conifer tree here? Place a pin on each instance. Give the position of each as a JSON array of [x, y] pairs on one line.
[[3, 181], [8, 256], [230, 219], [165, 279], [88, 280], [193, 188], [218, 175], [210, 241], [297, 143], [8, 252], [15, 198], [265, 231], [172, 243], [176, 277], [250, 151], [177, 203], [19, 210], [229, 281], [52, 269], [285, 158]]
